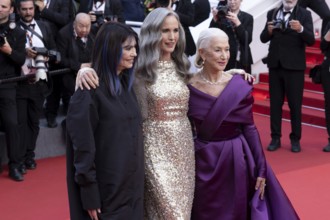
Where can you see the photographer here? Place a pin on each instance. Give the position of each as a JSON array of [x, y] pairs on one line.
[[12, 55], [31, 94], [289, 29], [102, 10], [238, 25]]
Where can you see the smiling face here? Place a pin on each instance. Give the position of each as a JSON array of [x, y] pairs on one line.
[[170, 36], [289, 4], [26, 11], [216, 54], [128, 54]]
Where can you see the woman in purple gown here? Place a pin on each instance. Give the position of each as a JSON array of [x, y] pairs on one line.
[[231, 169]]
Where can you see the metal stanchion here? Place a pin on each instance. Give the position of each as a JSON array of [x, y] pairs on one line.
[[30, 76]]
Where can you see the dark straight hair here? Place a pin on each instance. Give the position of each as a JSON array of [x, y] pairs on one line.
[[107, 53]]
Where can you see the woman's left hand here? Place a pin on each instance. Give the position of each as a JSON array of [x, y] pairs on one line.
[[261, 184]]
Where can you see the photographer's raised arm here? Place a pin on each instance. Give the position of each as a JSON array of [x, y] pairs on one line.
[[267, 32], [14, 47]]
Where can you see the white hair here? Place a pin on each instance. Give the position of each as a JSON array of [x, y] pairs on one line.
[[204, 41]]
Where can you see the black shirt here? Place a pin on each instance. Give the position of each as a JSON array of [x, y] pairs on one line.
[[10, 65]]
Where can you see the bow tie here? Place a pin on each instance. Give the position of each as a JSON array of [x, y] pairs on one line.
[[32, 26], [286, 12]]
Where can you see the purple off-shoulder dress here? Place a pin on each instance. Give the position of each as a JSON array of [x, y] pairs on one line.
[[229, 158]]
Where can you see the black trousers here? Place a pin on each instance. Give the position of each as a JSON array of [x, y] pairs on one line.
[[326, 88], [8, 115], [29, 107], [53, 100], [290, 84], [321, 8]]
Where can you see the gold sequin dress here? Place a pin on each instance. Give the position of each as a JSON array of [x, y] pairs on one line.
[[169, 151]]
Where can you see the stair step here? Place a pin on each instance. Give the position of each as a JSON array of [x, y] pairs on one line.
[[310, 98], [314, 55], [309, 115], [316, 44], [309, 85]]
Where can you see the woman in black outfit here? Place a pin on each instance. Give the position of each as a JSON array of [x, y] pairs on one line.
[[105, 158]]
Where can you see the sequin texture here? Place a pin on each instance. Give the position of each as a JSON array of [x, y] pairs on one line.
[[169, 151]]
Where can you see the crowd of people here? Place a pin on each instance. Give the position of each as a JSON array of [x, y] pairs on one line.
[[147, 139]]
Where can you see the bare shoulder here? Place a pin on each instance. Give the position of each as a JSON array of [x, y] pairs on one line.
[[226, 77]]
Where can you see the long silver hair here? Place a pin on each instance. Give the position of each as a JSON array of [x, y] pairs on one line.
[[150, 52]]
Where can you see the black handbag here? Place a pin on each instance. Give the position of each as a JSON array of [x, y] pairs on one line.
[[315, 74]]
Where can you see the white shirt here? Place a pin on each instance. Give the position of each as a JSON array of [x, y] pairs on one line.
[[31, 41]]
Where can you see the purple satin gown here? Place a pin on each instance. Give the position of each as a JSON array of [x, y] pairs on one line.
[[229, 158]]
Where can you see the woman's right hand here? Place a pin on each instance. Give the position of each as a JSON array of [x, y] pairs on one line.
[[86, 78], [93, 213]]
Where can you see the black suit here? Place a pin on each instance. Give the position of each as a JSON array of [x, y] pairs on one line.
[[112, 7], [134, 10], [287, 62], [10, 66], [325, 47], [56, 15], [185, 9], [202, 11], [30, 99], [321, 8], [73, 53], [240, 38]]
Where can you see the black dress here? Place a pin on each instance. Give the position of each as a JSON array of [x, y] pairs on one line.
[[105, 165]]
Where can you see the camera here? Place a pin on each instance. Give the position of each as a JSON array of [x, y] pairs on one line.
[[41, 73], [98, 14], [101, 18], [52, 54], [279, 24], [223, 10]]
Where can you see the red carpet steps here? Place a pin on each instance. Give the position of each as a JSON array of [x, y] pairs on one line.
[[313, 100]]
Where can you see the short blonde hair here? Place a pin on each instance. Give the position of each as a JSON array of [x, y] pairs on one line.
[[204, 41]]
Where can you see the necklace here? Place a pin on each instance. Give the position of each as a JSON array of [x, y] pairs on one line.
[[210, 82]]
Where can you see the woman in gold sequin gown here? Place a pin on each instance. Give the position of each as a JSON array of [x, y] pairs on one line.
[[163, 94]]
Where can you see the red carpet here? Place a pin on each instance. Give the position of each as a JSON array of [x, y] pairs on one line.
[[304, 176]]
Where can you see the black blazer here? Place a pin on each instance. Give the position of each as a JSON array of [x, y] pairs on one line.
[[67, 46], [287, 48], [202, 11], [241, 34], [185, 10], [49, 40], [10, 65], [56, 15], [112, 7]]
